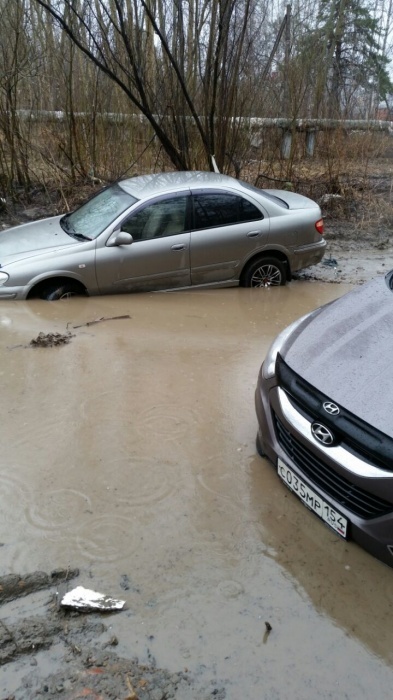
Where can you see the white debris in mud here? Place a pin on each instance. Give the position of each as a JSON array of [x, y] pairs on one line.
[[84, 599]]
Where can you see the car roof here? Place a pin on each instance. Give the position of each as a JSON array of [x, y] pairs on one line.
[[147, 185]]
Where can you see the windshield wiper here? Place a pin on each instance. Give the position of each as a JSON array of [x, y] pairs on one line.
[[64, 224], [79, 236], [70, 231]]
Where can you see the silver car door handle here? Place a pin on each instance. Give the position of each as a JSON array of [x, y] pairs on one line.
[[253, 234], [178, 246]]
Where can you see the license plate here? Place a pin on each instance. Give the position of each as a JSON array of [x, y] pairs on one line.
[[312, 500]]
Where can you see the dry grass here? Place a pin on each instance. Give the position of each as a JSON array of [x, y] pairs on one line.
[[356, 167]]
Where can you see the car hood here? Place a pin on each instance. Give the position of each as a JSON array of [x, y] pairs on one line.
[[346, 351], [31, 239]]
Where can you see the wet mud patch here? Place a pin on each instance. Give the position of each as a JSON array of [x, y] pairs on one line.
[[61, 652], [14, 586], [89, 672], [50, 340]]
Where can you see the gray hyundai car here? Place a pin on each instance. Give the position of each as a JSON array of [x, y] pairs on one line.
[[164, 231], [325, 413]]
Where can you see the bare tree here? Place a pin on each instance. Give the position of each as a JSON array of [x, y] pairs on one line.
[[17, 59], [179, 64]]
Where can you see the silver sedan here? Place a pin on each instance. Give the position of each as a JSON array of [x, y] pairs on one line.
[[164, 231]]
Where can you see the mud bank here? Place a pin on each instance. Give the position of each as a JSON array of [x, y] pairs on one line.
[[354, 253], [78, 648]]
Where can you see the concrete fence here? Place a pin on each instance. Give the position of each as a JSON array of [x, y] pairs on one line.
[[310, 127]]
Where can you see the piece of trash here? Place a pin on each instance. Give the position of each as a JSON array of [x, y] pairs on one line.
[[82, 598], [329, 198], [267, 632], [330, 262], [132, 695]]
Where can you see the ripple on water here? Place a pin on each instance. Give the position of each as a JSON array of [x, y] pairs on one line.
[[57, 509], [14, 496], [169, 421], [36, 434], [221, 525], [217, 485], [223, 481], [106, 539], [17, 557], [230, 589], [136, 482]]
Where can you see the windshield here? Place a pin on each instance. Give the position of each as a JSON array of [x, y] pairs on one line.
[[93, 217]]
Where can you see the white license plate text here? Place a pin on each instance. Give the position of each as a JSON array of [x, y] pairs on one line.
[[312, 500]]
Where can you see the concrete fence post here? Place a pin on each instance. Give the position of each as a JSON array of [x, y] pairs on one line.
[[310, 142], [286, 144]]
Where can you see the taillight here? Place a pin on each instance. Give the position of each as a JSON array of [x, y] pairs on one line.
[[319, 226]]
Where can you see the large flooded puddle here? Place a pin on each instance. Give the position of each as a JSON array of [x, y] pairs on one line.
[[130, 453]]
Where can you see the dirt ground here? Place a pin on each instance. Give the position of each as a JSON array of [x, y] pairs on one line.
[[90, 668], [49, 652], [353, 255]]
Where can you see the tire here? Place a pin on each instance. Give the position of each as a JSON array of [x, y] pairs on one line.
[[259, 447], [265, 272], [59, 291]]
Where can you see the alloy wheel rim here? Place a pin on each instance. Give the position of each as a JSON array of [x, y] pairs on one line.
[[68, 295], [266, 276]]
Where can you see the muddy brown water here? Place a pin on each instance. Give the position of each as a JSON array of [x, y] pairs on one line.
[[130, 453]]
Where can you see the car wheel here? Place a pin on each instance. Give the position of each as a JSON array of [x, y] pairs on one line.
[[265, 272], [259, 446], [59, 291]]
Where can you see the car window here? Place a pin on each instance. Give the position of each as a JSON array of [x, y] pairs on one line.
[[93, 217], [163, 218], [221, 209], [268, 195]]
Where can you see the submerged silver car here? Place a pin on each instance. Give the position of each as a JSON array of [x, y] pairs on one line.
[[325, 413], [164, 231]]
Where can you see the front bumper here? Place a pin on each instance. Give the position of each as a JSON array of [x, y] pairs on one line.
[[281, 426], [12, 292]]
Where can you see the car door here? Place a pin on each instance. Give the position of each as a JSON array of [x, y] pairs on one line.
[[158, 256], [227, 229]]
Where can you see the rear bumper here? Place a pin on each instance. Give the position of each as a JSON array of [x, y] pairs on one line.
[[374, 534], [307, 255]]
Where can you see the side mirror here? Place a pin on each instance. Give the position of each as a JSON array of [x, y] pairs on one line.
[[119, 238]]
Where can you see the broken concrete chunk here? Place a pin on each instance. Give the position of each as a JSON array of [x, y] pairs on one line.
[[81, 598]]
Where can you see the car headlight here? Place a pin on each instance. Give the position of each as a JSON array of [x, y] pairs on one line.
[[269, 365], [3, 278]]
